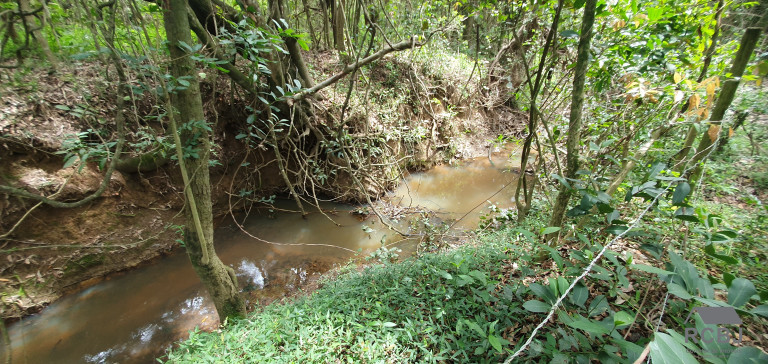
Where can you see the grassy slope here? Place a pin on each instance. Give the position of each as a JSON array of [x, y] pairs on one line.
[[405, 312]]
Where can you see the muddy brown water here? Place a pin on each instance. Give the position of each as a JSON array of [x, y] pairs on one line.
[[136, 316]]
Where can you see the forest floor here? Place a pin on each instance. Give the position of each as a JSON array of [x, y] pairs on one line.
[[52, 252]]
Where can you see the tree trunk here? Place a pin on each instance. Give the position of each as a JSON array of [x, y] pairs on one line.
[[326, 18], [338, 25], [724, 99], [574, 123], [219, 279], [31, 27]]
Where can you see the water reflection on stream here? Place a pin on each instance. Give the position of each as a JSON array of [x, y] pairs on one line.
[[135, 316]]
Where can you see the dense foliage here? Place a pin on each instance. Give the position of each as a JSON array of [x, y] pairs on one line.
[[645, 202]]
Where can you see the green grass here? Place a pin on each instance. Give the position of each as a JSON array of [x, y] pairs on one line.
[[404, 312]]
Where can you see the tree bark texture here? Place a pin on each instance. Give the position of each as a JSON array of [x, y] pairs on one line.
[[219, 279]]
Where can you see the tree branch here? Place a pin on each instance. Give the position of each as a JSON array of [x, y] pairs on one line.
[[406, 44]]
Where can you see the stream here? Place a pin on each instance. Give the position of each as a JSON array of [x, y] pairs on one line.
[[135, 316]]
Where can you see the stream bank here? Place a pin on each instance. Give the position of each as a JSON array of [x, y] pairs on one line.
[[53, 252], [134, 316]]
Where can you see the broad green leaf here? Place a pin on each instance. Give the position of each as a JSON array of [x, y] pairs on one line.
[[590, 326], [579, 295], [70, 161], [678, 291], [542, 292], [746, 355], [713, 350], [728, 278], [683, 214], [445, 274], [474, 326], [622, 318], [550, 230], [711, 251], [681, 192], [616, 229], [761, 310], [740, 292], [666, 350], [729, 233], [494, 341], [537, 306]]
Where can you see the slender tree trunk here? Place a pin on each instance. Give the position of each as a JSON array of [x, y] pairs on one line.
[[523, 189], [326, 20], [308, 14], [692, 131], [338, 25], [577, 104], [724, 99], [219, 279]]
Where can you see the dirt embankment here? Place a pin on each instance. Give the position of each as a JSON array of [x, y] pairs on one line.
[[46, 252]]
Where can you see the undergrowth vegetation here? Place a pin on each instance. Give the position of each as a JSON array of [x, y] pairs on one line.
[[475, 304]]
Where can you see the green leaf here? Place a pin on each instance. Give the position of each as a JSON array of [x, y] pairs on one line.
[[655, 14], [536, 306], [445, 274], [474, 326], [728, 278], [656, 168], [650, 269], [70, 161], [616, 229], [569, 34], [495, 342], [590, 326], [740, 291], [622, 318], [389, 324], [579, 295], [578, 4], [747, 354], [712, 349], [681, 192], [684, 214], [550, 230], [542, 292], [63, 107], [710, 250], [666, 350], [761, 310], [678, 291], [729, 233]]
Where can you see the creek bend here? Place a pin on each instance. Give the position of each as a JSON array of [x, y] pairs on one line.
[[133, 317]]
